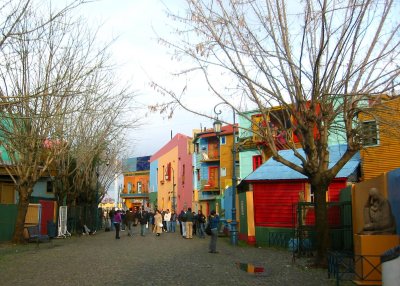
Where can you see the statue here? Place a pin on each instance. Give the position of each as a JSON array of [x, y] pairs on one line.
[[378, 218]]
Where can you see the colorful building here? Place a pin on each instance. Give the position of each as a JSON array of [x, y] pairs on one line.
[[381, 140], [135, 191], [269, 194], [171, 175], [213, 167]]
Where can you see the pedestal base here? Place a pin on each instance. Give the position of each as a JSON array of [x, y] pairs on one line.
[[368, 250]]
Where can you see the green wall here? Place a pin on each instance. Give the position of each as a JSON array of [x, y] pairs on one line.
[[8, 217]]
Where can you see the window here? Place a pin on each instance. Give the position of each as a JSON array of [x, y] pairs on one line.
[[198, 174], [168, 172], [49, 186], [369, 133], [139, 187], [257, 161], [196, 148], [222, 140], [129, 187], [223, 172]]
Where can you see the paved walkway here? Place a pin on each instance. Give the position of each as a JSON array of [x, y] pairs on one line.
[[166, 260]]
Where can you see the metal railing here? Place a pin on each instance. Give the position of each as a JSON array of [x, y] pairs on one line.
[[345, 266]]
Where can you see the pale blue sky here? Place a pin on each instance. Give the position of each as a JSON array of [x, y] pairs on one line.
[[141, 59]]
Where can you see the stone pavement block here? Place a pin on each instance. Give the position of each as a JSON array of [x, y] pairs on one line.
[[166, 260]]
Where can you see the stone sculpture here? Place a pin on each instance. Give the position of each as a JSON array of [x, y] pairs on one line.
[[378, 218]]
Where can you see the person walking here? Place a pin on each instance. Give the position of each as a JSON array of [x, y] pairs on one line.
[[123, 220], [201, 220], [158, 225], [117, 223], [111, 214], [182, 223], [167, 219], [151, 220], [130, 217], [174, 217], [213, 220], [189, 223], [143, 220]]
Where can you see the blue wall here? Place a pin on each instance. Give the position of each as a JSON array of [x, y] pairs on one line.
[[394, 195], [153, 176]]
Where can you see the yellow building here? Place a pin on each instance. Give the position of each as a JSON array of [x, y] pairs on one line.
[[381, 138]]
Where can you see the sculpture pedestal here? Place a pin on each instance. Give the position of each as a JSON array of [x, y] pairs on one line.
[[368, 250]]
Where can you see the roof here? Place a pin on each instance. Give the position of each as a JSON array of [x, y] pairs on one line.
[[273, 170], [225, 130]]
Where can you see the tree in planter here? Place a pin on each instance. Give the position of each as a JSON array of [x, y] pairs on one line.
[[48, 67], [318, 60]]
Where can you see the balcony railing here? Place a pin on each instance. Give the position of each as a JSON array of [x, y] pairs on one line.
[[207, 185], [212, 155]]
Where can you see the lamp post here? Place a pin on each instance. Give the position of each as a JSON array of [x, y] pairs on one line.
[[217, 129]]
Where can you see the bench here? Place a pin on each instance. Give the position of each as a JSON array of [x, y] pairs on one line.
[[35, 236]]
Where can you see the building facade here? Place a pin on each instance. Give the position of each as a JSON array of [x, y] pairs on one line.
[[213, 168], [381, 139], [171, 175], [135, 190]]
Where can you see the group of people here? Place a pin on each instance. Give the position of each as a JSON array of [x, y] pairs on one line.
[[158, 222], [122, 220]]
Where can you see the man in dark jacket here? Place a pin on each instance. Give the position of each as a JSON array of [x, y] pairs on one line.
[[189, 223], [130, 218], [143, 217], [201, 221]]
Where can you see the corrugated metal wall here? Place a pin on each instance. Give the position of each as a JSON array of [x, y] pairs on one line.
[[384, 156], [273, 203], [8, 216]]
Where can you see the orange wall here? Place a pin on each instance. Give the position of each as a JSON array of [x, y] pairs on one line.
[[383, 157], [134, 179], [165, 189]]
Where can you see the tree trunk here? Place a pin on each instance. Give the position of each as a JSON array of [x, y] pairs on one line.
[[23, 204], [321, 224]]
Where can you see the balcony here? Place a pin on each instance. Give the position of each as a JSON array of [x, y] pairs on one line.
[[210, 156], [209, 186]]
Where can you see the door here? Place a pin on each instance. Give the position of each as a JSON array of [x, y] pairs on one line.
[[47, 214], [213, 177]]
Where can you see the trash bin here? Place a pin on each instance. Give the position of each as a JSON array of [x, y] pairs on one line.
[[51, 229], [390, 261]]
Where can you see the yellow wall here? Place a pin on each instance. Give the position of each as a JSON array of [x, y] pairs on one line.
[[383, 157], [165, 189], [226, 162], [251, 234]]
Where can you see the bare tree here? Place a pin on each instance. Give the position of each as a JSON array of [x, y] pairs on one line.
[[52, 70], [317, 60]]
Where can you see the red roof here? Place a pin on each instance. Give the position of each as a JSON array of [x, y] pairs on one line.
[[225, 130]]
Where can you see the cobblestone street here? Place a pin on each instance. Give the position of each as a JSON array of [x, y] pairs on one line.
[[166, 260]]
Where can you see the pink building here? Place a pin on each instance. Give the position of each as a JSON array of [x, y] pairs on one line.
[[171, 174]]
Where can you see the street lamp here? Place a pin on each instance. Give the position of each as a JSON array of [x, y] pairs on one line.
[[217, 129]]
